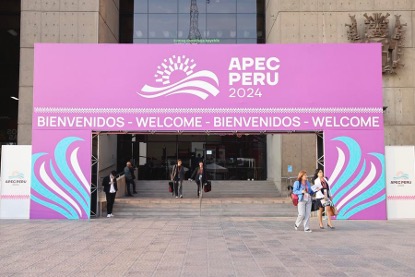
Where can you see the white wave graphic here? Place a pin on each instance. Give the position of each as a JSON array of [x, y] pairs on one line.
[[77, 168], [339, 165], [366, 182], [188, 85], [48, 181]]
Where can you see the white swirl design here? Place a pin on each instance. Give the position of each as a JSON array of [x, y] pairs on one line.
[[366, 182], [59, 184], [77, 168], [189, 85], [354, 187], [51, 184]]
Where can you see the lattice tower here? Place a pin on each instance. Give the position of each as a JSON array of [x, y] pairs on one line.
[[194, 32]]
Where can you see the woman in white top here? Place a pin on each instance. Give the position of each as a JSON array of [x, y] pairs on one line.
[[323, 197]]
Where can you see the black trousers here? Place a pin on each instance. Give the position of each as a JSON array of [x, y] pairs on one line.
[[199, 187], [110, 201], [176, 188]]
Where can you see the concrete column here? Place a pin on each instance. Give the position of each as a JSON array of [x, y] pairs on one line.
[[274, 160], [58, 21]]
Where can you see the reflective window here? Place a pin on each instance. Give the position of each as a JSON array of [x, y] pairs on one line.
[[184, 6], [223, 6], [219, 26], [162, 26], [247, 26], [227, 157], [162, 6], [140, 6], [185, 21], [246, 6], [184, 25], [140, 26]]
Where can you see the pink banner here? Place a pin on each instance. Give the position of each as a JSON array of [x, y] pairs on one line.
[[205, 87], [334, 88]]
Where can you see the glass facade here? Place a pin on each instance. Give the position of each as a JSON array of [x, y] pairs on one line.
[[192, 21], [227, 157]]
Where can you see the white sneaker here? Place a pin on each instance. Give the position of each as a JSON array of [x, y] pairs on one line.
[[177, 197], [108, 215], [181, 196], [112, 215], [308, 230]]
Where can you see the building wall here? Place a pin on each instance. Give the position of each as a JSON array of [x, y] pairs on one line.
[[58, 21], [287, 21], [323, 21]]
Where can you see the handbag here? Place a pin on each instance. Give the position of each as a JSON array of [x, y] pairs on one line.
[[170, 186], [333, 210], [294, 198], [207, 187]]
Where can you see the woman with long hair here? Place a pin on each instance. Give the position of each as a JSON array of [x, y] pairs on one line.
[[303, 189], [200, 177], [323, 197]]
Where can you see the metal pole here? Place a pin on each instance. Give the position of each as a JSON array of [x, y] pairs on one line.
[[97, 186], [200, 197]]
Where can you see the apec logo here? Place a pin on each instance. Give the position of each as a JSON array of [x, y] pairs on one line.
[[401, 178], [400, 175], [16, 177], [176, 75]]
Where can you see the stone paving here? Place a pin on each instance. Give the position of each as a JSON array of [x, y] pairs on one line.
[[205, 246]]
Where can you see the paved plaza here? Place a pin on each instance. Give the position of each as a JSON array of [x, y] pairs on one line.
[[205, 246]]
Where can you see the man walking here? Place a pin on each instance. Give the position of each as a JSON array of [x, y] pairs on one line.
[[129, 179]]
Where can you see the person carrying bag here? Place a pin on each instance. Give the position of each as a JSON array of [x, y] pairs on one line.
[[177, 176], [200, 177], [302, 189], [323, 196]]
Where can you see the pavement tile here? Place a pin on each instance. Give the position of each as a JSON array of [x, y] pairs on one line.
[[204, 246]]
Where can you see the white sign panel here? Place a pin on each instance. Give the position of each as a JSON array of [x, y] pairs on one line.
[[400, 181], [15, 181]]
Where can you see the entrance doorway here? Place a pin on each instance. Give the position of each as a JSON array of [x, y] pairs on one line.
[[226, 157]]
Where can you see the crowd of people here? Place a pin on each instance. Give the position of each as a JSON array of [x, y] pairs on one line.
[[109, 183], [301, 187]]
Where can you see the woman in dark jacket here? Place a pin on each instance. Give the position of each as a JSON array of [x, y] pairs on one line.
[[177, 176], [200, 177], [110, 188]]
